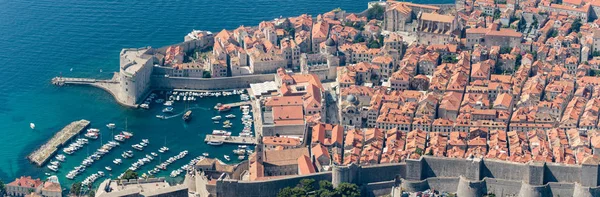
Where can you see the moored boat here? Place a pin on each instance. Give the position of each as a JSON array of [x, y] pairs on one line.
[[213, 143], [187, 116]]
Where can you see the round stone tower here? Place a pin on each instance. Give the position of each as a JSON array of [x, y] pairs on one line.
[[469, 188]]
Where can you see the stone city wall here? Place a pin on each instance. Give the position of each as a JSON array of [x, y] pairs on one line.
[[230, 187], [161, 82]]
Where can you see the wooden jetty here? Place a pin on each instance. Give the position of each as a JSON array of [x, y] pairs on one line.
[[230, 139], [47, 150]]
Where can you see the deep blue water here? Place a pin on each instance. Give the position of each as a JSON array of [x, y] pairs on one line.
[[45, 38]]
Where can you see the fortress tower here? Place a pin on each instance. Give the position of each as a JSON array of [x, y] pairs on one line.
[[134, 74]]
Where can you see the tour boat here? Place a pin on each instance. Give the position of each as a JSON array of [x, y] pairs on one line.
[[111, 125], [221, 132], [187, 116], [214, 143], [168, 110], [230, 116], [108, 168], [224, 108], [31, 125], [227, 157], [216, 118]]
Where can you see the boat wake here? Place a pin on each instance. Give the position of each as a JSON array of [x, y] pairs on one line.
[[181, 113]]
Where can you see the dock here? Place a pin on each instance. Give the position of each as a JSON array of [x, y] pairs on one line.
[[230, 139], [47, 150]]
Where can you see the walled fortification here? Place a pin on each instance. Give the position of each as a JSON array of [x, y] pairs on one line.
[[466, 177]]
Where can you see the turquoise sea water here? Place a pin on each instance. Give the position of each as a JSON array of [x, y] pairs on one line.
[[45, 38]]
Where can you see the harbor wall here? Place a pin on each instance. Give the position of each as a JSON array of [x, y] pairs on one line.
[[161, 82]]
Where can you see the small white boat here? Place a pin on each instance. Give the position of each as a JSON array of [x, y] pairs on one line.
[[117, 161], [241, 157], [111, 125], [230, 116], [108, 168], [145, 141], [31, 125], [216, 118], [120, 138], [227, 157], [163, 149], [168, 110], [137, 147], [160, 117], [145, 106], [227, 126], [60, 157], [205, 154], [213, 143], [154, 154], [127, 134], [53, 168]]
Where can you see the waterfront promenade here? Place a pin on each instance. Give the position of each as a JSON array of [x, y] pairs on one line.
[[230, 139], [41, 155]]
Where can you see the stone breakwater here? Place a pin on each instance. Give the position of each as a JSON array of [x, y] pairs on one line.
[[47, 150], [466, 177]]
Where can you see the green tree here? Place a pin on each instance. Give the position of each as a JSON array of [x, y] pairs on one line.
[[130, 174], [496, 14], [326, 185], [348, 190], [291, 192], [449, 59], [206, 74], [595, 53], [2, 188], [358, 38], [505, 50], [75, 188], [375, 12], [576, 25], [92, 193], [307, 184]]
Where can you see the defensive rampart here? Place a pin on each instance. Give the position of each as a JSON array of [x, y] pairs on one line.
[[466, 177], [161, 82]]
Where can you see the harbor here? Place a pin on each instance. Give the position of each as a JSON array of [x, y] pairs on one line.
[[220, 139], [47, 150]]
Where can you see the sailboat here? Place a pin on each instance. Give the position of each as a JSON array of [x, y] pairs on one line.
[[31, 125]]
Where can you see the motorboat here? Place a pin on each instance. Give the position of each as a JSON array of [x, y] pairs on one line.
[[145, 106], [91, 135], [53, 168], [127, 134], [227, 157], [168, 110], [108, 168], [31, 125], [230, 116], [213, 143], [111, 125], [117, 161], [187, 116], [137, 147], [218, 105], [241, 157], [154, 154], [56, 163], [60, 157], [242, 146], [120, 138], [205, 154], [161, 117], [216, 118], [239, 151], [168, 103], [227, 126], [163, 149], [145, 141]]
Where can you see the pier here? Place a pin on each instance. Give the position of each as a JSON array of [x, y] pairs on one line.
[[69, 80], [47, 150], [237, 104], [230, 139]]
